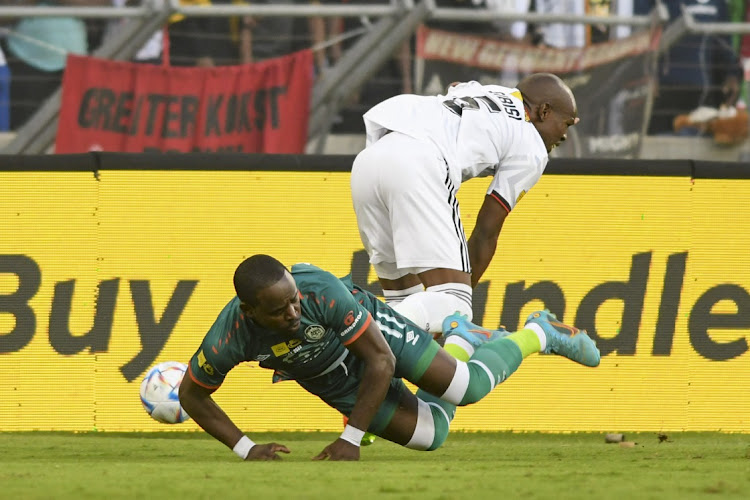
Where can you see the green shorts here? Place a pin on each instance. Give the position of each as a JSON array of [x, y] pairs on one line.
[[413, 348]]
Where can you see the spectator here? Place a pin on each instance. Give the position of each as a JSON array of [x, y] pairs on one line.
[[229, 40], [599, 33], [37, 48], [193, 41], [189, 38], [741, 13], [510, 31], [466, 27], [324, 30], [561, 35], [4, 94], [151, 51], [267, 38], [699, 70]]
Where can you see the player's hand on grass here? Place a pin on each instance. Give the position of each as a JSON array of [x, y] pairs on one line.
[[339, 450], [266, 451]]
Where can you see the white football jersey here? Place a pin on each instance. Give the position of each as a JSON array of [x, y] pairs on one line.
[[480, 130]]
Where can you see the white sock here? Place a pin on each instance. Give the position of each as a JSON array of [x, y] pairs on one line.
[[429, 308], [393, 297]]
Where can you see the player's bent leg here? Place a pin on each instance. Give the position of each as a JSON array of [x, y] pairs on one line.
[[402, 421], [433, 422], [396, 296], [420, 422], [446, 291], [466, 337], [492, 364], [396, 290], [427, 309], [461, 383]]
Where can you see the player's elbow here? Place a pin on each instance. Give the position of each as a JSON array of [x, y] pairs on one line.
[[487, 234], [185, 396], [189, 394], [386, 364]]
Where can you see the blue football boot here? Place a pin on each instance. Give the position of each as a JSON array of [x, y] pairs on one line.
[[458, 324], [564, 340]]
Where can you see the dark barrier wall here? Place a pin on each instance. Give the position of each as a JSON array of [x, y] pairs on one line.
[[342, 163], [110, 263]]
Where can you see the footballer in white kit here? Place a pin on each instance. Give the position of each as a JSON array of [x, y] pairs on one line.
[[419, 150]]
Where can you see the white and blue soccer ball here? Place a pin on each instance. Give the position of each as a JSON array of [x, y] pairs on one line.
[[160, 392]]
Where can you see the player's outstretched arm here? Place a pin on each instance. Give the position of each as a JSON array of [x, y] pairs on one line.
[[198, 403], [380, 365], [483, 240]]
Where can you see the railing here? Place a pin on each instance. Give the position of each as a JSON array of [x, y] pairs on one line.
[[391, 23]]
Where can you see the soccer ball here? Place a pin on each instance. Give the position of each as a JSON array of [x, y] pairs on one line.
[[159, 392]]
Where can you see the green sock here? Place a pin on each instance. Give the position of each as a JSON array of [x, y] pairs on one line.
[[500, 358], [527, 340]]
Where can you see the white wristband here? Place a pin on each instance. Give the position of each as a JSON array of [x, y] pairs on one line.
[[352, 435], [243, 447]]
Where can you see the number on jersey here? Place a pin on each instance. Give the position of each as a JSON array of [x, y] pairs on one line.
[[457, 105]]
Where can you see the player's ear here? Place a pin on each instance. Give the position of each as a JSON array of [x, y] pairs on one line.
[[245, 308], [544, 111]]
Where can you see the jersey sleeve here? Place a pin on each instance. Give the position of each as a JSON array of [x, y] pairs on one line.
[[348, 317], [514, 177], [337, 308], [216, 356]]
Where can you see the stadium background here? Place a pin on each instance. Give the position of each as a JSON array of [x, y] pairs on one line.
[[120, 244], [154, 229]]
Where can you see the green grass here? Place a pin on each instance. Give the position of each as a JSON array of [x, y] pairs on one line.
[[111, 466]]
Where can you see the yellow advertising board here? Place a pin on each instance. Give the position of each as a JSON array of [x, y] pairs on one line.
[[102, 277]]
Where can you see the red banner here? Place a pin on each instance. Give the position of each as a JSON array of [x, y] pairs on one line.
[[128, 107], [496, 55]]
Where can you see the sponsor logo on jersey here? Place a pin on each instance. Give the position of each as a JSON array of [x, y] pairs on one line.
[[280, 349], [285, 347], [314, 333], [349, 318], [352, 324], [205, 365], [262, 357]]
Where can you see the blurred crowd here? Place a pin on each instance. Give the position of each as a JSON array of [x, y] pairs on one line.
[[698, 71]]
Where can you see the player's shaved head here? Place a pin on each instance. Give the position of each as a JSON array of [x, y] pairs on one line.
[[256, 273], [546, 87], [550, 107]]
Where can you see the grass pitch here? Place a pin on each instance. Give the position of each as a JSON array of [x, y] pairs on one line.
[[42, 465]]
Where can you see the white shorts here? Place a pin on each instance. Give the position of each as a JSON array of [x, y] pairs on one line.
[[406, 206]]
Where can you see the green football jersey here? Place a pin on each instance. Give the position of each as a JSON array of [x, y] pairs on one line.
[[332, 317]]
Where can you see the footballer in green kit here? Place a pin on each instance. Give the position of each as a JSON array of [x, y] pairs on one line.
[[345, 346]]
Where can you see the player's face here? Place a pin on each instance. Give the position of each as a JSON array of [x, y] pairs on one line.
[[278, 306], [554, 128]]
